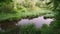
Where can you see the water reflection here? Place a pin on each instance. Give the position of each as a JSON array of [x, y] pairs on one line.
[[12, 26], [38, 22]]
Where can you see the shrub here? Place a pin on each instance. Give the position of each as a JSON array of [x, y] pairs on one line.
[[29, 29]]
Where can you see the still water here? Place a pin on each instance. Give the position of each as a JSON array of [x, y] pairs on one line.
[[38, 22]]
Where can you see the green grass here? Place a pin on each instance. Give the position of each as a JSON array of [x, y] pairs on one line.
[[29, 29], [22, 14], [51, 15], [25, 29]]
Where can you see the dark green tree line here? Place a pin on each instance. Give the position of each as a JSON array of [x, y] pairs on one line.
[[55, 25]]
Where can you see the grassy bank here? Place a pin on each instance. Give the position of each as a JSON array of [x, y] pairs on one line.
[[23, 13], [26, 29]]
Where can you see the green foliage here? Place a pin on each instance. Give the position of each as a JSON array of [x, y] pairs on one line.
[[26, 29], [55, 25], [29, 29], [38, 4], [45, 29], [13, 30], [23, 13], [1, 1], [7, 12], [6, 8]]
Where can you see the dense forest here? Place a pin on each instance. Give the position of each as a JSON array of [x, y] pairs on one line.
[[13, 13]]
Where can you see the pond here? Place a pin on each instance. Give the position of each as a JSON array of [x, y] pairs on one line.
[[38, 22]]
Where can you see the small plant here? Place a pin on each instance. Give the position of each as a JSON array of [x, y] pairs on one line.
[[29, 29]]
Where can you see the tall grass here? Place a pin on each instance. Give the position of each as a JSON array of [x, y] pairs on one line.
[[26, 29]]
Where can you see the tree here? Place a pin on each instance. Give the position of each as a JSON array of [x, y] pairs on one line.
[[55, 25]]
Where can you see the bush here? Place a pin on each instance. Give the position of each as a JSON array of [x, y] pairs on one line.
[[45, 29], [29, 29]]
